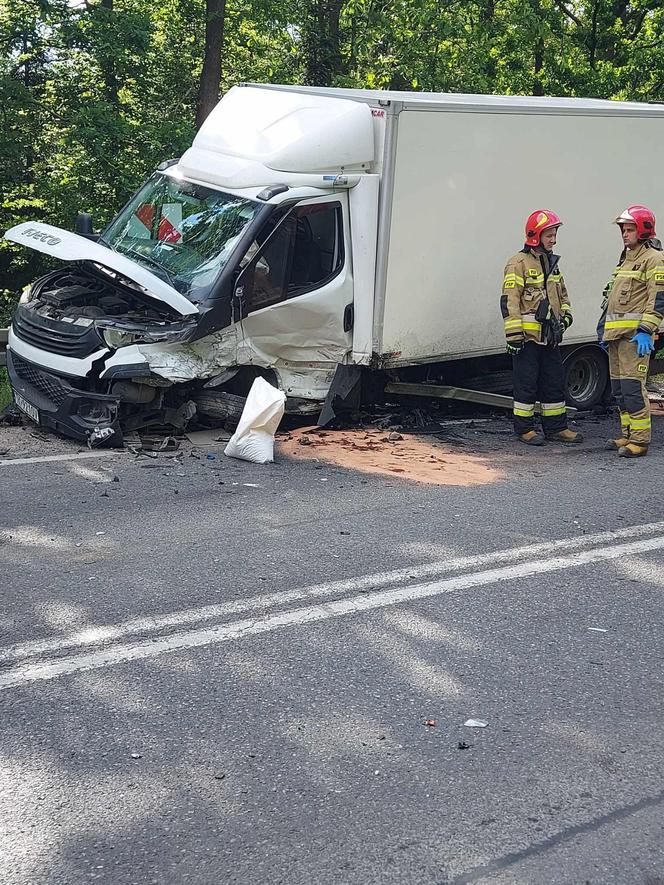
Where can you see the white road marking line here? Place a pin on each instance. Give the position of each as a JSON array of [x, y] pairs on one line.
[[95, 634], [42, 459], [212, 635]]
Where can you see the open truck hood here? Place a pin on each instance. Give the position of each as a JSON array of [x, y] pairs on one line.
[[68, 246]]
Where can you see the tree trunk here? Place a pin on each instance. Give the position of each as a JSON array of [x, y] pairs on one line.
[[538, 88], [108, 65], [593, 36], [322, 43], [208, 92], [29, 153]]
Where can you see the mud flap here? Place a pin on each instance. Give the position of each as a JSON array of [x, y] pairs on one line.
[[344, 395]]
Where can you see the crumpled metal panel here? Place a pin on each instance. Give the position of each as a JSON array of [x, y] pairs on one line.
[[303, 370], [188, 362]]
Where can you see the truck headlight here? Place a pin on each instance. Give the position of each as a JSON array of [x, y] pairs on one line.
[[115, 338]]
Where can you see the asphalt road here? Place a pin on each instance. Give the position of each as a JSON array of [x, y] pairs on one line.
[[216, 672]]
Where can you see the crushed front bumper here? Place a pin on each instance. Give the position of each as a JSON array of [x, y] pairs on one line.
[[88, 417]]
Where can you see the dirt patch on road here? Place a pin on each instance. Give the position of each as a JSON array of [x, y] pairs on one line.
[[29, 441], [375, 451]]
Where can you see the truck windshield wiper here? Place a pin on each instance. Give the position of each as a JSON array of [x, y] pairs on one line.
[[151, 261]]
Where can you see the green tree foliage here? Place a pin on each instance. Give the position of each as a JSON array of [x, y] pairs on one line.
[[95, 93]]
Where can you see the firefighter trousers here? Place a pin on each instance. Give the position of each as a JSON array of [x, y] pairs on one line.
[[537, 375], [628, 373]]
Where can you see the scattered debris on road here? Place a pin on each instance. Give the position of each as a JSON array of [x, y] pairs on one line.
[[150, 444], [476, 723], [438, 443]]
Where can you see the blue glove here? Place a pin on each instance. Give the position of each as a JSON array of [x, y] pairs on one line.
[[604, 345], [644, 343]]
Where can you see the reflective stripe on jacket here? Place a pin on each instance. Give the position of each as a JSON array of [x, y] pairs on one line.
[[634, 297], [525, 284]]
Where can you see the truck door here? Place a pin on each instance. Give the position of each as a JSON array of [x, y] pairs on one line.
[[294, 295]]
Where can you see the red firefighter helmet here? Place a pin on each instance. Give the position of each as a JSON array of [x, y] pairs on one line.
[[539, 221], [642, 217]]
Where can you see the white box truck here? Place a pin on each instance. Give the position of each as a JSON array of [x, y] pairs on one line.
[[310, 229]]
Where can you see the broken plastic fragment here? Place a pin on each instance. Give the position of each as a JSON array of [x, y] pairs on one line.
[[476, 723], [99, 435], [158, 444]]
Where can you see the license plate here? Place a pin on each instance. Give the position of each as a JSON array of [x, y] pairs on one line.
[[27, 407]]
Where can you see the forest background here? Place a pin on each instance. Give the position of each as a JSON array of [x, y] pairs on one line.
[[94, 94]]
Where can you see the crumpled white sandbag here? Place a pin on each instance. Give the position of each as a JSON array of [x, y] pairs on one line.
[[254, 438]]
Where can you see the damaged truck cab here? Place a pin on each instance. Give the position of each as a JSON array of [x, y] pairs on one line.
[[232, 262]]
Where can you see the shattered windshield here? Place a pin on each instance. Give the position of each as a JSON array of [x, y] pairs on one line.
[[183, 233]]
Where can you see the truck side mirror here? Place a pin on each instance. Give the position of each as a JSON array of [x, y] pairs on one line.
[[242, 292], [83, 226]]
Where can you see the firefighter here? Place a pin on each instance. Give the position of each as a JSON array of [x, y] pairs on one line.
[[632, 310], [536, 311]]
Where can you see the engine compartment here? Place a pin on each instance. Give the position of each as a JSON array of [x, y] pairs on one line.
[[80, 296]]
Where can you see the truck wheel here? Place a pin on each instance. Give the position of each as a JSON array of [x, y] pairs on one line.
[[586, 377], [221, 405]]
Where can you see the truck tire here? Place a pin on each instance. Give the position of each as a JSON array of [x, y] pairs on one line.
[[220, 405], [586, 377]]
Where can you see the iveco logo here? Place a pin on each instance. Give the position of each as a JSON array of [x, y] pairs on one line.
[[41, 235]]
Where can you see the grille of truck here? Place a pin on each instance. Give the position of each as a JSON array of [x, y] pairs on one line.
[[54, 336], [49, 385]]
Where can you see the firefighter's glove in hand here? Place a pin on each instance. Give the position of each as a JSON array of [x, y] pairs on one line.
[[644, 343], [514, 347], [566, 321]]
